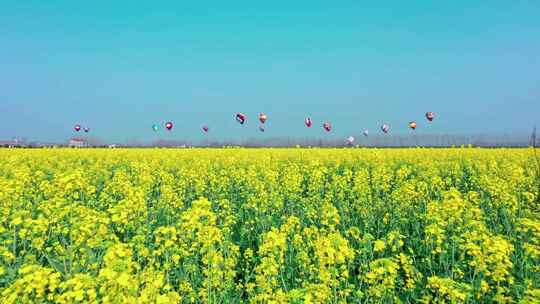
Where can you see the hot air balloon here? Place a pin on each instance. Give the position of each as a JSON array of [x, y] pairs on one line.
[[77, 128], [169, 125], [205, 129], [241, 118], [263, 118], [350, 140], [412, 125], [430, 116], [261, 128], [327, 126], [308, 122], [385, 128], [366, 133], [86, 130], [155, 127]]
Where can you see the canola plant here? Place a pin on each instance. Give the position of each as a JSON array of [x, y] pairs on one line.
[[269, 226]]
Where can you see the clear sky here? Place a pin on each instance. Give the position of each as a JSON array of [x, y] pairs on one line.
[[120, 66]]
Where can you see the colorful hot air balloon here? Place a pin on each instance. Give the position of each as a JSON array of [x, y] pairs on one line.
[[308, 122], [327, 126], [205, 129], [350, 140], [263, 118], [169, 125], [412, 125], [86, 130], [155, 127], [241, 118], [430, 116], [385, 128], [77, 127], [366, 133], [261, 128]]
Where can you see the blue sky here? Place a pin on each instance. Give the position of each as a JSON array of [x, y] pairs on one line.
[[120, 66]]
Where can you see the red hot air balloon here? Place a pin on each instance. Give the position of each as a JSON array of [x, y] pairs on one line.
[[241, 118], [430, 116], [412, 125], [308, 122], [169, 125], [205, 129], [327, 126], [385, 128], [77, 128], [263, 118]]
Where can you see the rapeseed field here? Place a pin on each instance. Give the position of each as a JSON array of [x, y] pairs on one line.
[[269, 226]]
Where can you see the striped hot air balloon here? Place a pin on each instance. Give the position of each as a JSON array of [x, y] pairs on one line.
[[241, 118], [205, 129], [308, 122], [263, 118], [385, 128], [327, 126], [430, 116], [412, 125], [77, 127]]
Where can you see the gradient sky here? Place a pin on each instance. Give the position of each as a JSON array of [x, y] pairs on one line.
[[120, 66]]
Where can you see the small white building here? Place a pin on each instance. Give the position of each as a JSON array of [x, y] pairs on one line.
[[78, 143], [12, 144]]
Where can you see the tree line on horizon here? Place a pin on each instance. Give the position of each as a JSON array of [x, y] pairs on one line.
[[361, 141]]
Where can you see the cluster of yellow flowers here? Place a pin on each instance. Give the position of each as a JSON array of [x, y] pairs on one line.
[[457, 225]]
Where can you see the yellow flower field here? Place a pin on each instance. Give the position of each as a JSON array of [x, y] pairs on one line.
[[269, 226]]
